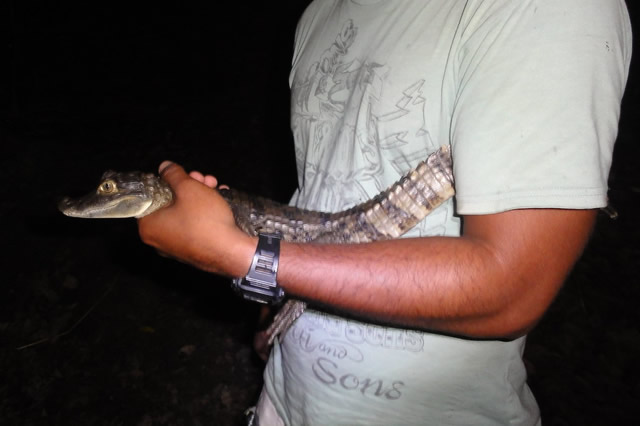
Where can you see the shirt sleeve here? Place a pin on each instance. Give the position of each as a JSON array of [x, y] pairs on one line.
[[537, 104]]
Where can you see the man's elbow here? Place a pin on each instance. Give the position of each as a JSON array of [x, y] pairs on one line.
[[519, 318]]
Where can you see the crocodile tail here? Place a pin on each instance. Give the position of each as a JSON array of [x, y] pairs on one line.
[[398, 209]]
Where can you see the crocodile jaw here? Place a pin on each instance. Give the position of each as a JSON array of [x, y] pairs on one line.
[[96, 207]]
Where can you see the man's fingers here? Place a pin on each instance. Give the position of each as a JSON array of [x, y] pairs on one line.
[[164, 165], [197, 176], [210, 181], [172, 173]]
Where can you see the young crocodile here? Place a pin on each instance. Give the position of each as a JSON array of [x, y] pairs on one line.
[[388, 215]]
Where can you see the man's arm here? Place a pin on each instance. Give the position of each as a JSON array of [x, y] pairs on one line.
[[495, 281]]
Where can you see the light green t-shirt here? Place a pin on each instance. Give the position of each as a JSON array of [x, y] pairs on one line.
[[526, 92]]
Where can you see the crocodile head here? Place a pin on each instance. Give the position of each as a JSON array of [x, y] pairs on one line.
[[130, 194]]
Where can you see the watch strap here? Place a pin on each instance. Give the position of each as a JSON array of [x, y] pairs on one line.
[[260, 285]]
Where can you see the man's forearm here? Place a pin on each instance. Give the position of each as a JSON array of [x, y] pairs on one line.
[[446, 284], [471, 286]]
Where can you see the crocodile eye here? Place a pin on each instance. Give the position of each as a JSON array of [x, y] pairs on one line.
[[107, 187]]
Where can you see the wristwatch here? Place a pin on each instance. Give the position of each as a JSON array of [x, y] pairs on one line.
[[260, 285]]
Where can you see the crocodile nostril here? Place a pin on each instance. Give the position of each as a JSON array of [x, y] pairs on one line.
[[64, 203]]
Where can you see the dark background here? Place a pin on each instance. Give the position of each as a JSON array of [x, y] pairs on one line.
[[96, 329]]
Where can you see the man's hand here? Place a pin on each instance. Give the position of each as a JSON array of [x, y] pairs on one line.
[[198, 228]]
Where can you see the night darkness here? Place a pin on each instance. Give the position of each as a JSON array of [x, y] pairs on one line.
[[97, 329]]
